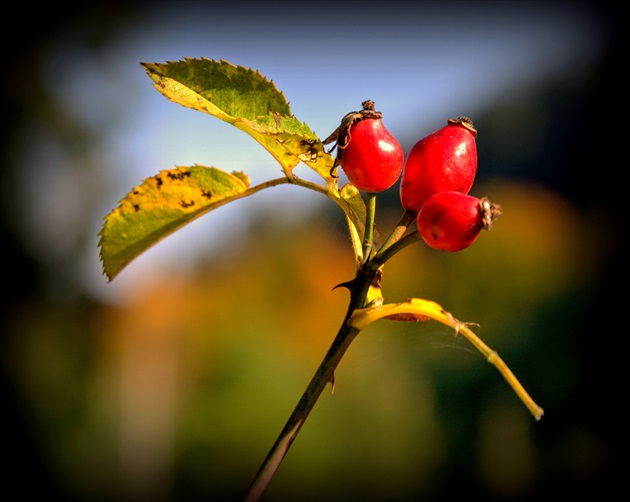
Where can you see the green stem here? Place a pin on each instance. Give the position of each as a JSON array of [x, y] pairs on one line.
[[370, 212], [406, 219], [309, 184], [293, 180], [385, 253]]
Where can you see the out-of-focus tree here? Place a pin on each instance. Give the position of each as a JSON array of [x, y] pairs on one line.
[[179, 394]]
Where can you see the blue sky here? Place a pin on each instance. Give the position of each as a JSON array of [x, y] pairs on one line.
[[421, 62]]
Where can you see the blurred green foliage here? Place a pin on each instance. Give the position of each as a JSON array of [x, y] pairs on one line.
[[179, 393], [184, 389]]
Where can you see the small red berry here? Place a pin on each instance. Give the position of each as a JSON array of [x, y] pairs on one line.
[[451, 221], [368, 153], [444, 160]]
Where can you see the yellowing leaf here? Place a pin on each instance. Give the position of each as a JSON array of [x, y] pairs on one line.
[[350, 200], [161, 205], [419, 310], [246, 99], [355, 205], [374, 295], [415, 308]]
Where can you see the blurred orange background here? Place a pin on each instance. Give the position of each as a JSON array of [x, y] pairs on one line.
[[173, 382]]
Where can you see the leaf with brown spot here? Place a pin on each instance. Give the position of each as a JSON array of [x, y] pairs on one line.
[[159, 206]]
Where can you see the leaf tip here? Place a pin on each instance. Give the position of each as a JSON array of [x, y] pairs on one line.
[[105, 268]]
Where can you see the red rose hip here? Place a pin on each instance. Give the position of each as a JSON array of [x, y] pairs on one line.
[[368, 153], [445, 160], [451, 221], [373, 159]]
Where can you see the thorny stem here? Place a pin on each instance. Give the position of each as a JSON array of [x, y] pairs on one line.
[[326, 371], [325, 374]]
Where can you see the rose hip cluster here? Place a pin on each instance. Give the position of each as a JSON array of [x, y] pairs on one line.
[[436, 176]]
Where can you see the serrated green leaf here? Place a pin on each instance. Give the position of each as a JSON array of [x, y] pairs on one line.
[[161, 205], [236, 91], [245, 99]]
